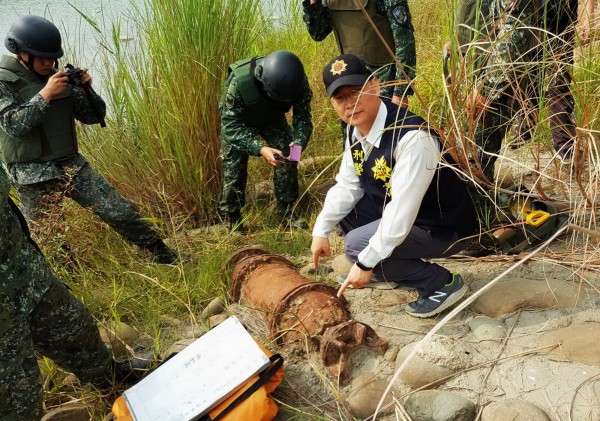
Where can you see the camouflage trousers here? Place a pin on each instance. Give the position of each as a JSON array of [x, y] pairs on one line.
[[553, 87], [92, 191], [38, 314], [388, 79], [235, 171]]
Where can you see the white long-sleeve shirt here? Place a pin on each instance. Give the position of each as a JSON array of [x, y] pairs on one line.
[[417, 158]]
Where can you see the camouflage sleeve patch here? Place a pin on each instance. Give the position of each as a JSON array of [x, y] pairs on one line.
[[400, 14], [229, 100]]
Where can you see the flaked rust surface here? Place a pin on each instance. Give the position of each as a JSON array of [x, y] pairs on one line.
[[301, 314]]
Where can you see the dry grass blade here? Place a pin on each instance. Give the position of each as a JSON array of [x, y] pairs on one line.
[[590, 380]]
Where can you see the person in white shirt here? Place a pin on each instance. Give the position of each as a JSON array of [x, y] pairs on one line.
[[398, 197]]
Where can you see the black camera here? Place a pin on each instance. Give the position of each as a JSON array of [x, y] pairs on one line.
[[284, 160], [74, 75]]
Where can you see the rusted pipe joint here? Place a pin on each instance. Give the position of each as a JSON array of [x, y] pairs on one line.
[[340, 342]]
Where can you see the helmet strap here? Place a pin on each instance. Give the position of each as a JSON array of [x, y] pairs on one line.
[[29, 65]]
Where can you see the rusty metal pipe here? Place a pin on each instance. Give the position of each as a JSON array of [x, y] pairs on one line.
[[299, 310], [296, 308]]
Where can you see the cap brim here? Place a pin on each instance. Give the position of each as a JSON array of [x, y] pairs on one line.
[[350, 80]]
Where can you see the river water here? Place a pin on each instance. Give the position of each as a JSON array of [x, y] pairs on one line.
[[80, 39]]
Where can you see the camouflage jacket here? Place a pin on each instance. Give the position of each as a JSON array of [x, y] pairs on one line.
[[244, 137], [17, 118], [520, 42], [24, 273], [318, 23]]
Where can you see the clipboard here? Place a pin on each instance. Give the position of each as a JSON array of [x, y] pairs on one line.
[[198, 378]]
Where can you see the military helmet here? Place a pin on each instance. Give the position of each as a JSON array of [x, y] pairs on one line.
[[281, 74], [34, 35]]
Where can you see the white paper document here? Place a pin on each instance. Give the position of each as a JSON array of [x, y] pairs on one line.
[[196, 379]]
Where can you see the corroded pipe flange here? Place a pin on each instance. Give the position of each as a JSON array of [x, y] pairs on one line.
[[340, 342], [311, 307]]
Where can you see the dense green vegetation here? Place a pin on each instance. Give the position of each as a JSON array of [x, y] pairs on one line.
[[161, 148]]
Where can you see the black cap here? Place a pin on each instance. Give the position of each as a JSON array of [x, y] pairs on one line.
[[345, 70]]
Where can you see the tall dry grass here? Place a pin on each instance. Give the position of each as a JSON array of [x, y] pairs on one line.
[[161, 146]]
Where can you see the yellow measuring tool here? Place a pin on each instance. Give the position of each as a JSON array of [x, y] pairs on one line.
[[531, 216]]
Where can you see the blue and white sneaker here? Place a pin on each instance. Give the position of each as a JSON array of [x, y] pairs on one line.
[[439, 301]]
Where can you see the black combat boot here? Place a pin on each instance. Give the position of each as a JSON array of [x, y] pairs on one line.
[[163, 254], [235, 224], [290, 220], [132, 370]]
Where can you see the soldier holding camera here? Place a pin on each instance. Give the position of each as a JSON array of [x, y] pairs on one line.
[[38, 108]]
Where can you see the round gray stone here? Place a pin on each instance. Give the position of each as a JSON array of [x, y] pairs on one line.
[[118, 337], [216, 306], [439, 405], [419, 371], [513, 410], [341, 265], [525, 293], [487, 329], [366, 392]]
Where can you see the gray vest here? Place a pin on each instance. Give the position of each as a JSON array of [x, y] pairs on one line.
[[355, 35], [55, 137]]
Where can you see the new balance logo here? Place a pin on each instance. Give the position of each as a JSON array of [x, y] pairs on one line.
[[437, 296]]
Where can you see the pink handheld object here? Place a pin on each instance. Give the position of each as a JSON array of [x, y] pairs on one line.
[[295, 153]]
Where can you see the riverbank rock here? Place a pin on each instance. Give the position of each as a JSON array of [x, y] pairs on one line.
[[439, 405], [487, 329], [513, 410], [341, 265], [118, 337], [578, 343], [525, 293], [366, 392], [216, 306], [436, 360], [179, 346]]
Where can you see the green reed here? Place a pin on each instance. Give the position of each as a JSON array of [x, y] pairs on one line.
[[161, 147]]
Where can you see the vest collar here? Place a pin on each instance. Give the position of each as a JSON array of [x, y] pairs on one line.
[[12, 64]]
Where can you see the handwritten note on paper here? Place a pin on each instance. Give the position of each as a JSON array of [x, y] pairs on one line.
[[199, 377]]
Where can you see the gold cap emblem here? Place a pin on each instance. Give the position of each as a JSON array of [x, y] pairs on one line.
[[338, 67]]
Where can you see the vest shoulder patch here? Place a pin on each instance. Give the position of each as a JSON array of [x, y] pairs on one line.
[[8, 76]]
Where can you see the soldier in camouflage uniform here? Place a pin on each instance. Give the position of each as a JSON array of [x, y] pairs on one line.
[[38, 140], [258, 93], [38, 314], [354, 34], [530, 41]]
